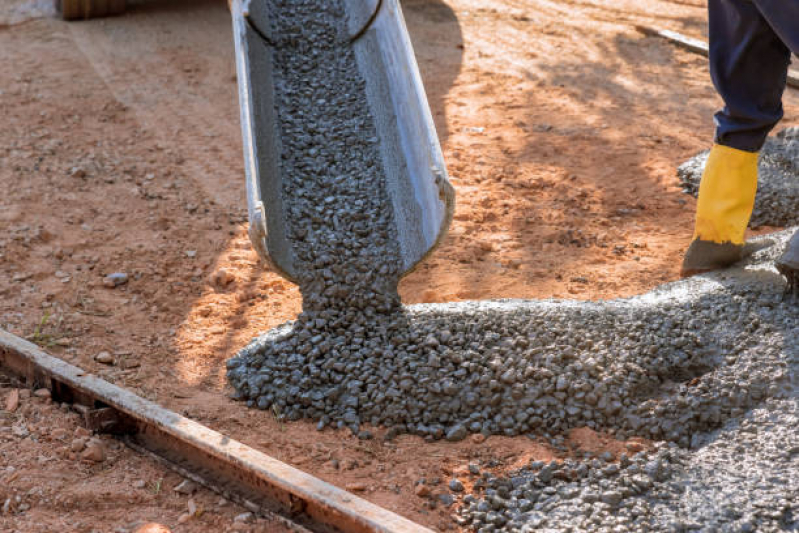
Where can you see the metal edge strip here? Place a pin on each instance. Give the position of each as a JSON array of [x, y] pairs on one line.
[[312, 502]]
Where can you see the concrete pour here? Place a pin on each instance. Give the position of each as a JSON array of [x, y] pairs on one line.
[[778, 181], [707, 366], [743, 476]]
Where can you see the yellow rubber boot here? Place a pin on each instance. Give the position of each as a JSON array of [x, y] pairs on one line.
[[725, 203]]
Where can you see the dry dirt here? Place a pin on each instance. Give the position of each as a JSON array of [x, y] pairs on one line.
[[48, 483], [120, 152]]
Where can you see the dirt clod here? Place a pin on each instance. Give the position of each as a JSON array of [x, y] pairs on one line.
[[12, 401], [42, 393], [95, 451]]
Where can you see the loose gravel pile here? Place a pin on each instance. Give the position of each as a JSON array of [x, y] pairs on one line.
[[741, 477], [778, 182], [667, 365]]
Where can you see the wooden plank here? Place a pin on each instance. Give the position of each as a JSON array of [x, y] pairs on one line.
[[698, 46], [260, 481]]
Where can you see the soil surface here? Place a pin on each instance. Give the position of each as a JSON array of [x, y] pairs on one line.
[[57, 477], [562, 128]]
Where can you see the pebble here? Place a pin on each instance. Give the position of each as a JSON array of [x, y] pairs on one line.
[[458, 432], [357, 487], [115, 280], [244, 517], [95, 451], [104, 358], [186, 486], [77, 172], [12, 401], [42, 393], [446, 499]]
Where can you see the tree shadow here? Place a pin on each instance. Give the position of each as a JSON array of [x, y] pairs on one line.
[[615, 87]]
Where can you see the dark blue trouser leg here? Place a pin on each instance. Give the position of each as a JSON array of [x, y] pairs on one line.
[[783, 17], [749, 59]]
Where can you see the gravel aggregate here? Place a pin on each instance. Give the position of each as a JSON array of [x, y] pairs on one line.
[[338, 214], [778, 180], [665, 365], [705, 366], [743, 476]]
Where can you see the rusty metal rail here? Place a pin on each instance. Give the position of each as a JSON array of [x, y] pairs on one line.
[[261, 483]]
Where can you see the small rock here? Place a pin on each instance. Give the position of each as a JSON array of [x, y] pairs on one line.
[[446, 499], [611, 497], [95, 451], [457, 433], [422, 490], [139, 484], [59, 434], [12, 401], [104, 358], [77, 172], [42, 393], [186, 486], [115, 280], [185, 517], [192, 507], [455, 485], [357, 487], [244, 518]]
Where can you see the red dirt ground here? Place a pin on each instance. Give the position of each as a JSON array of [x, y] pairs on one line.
[[120, 152]]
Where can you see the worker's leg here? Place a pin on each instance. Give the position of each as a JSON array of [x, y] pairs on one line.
[[783, 17], [749, 65]]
